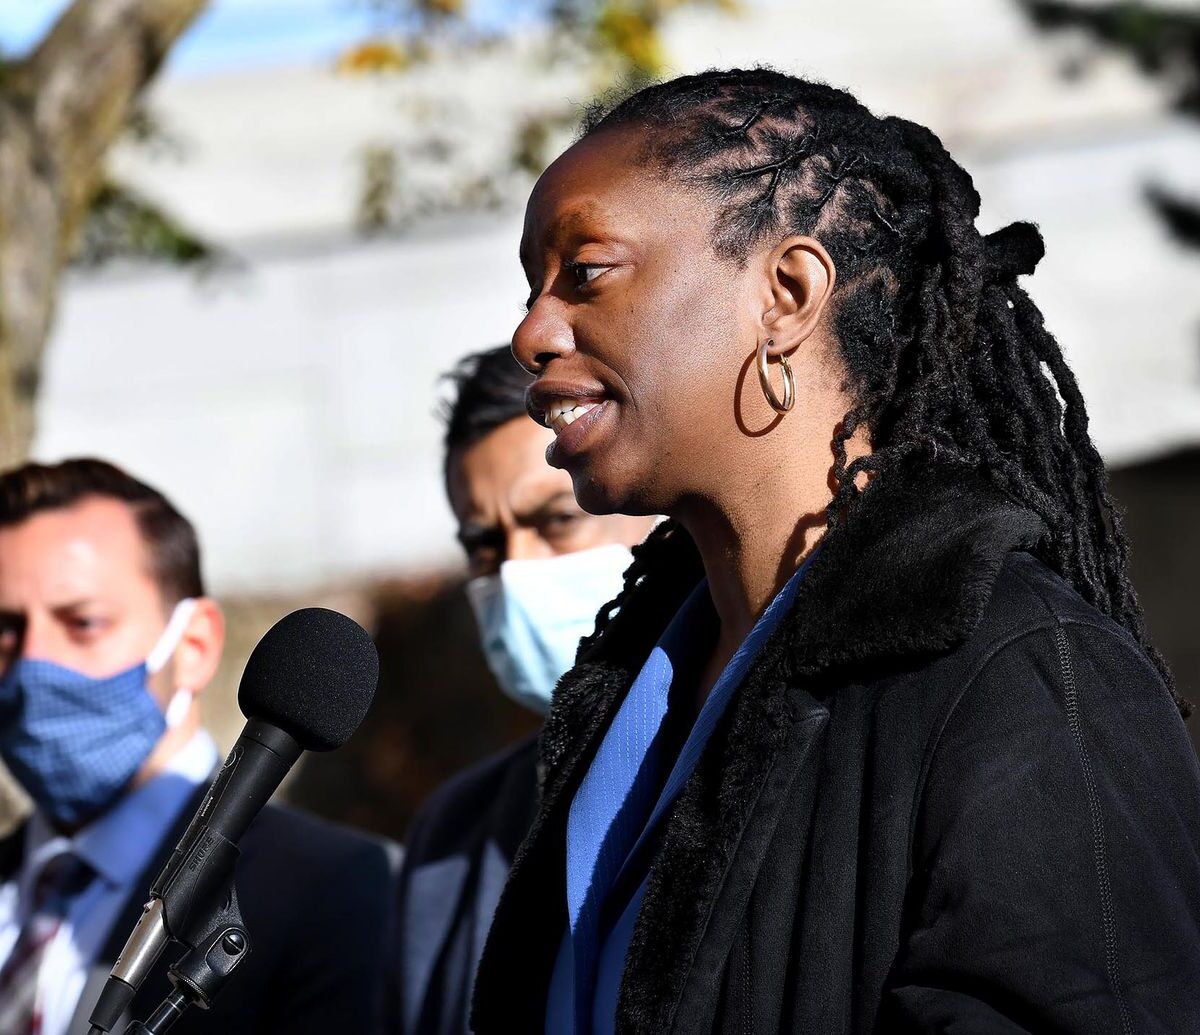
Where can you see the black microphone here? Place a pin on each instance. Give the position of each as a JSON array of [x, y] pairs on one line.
[[307, 686]]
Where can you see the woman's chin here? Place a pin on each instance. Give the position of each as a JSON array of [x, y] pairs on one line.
[[612, 480], [606, 495], [595, 495]]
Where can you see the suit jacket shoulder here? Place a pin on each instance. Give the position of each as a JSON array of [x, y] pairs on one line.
[[498, 793], [459, 851]]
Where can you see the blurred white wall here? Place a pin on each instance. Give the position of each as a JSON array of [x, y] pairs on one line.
[[289, 406]]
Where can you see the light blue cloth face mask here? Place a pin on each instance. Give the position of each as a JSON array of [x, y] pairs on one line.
[[533, 614], [74, 741]]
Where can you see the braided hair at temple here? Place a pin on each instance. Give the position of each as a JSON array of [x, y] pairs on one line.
[[946, 356]]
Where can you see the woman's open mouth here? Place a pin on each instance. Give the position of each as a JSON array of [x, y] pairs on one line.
[[573, 419], [562, 413]]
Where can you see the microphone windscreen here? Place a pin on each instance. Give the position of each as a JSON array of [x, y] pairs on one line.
[[313, 675]]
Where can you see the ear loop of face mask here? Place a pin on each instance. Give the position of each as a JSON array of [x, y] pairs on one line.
[[181, 701]]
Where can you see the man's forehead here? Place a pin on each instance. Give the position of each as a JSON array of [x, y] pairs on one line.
[[524, 492], [504, 472], [100, 519], [82, 548]]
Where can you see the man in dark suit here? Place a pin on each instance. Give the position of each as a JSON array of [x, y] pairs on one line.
[[540, 570], [106, 639]]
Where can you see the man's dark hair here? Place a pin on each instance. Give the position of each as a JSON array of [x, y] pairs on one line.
[[169, 537], [488, 390], [946, 354]]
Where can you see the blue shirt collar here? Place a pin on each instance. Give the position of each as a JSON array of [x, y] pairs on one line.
[[120, 843]]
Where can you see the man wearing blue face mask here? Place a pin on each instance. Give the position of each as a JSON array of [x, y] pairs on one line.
[[106, 638], [540, 570]]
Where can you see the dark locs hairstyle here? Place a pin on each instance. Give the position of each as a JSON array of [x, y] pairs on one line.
[[946, 355], [488, 390]]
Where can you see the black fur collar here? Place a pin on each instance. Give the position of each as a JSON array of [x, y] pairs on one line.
[[907, 576], [904, 578]]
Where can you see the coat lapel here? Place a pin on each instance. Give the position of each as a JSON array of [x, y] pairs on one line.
[[130, 913], [532, 912], [714, 846]]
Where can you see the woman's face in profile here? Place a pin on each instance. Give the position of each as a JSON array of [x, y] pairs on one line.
[[637, 330]]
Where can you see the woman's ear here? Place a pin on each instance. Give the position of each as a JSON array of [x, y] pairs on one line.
[[199, 651], [801, 277]]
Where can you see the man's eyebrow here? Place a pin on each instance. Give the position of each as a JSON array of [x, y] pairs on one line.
[[74, 605], [474, 534], [559, 497]]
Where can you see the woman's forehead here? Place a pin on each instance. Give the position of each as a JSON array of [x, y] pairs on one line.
[[601, 184], [588, 177]]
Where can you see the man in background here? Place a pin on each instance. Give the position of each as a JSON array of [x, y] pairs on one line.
[[106, 640], [540, 570]]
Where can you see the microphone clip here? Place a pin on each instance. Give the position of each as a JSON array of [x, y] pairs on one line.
[[203, 970], [198, 976]]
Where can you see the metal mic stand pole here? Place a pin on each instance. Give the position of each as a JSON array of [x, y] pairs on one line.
[[168, 1013]]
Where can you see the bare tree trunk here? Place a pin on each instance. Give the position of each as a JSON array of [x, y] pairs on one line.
[[61, 109]]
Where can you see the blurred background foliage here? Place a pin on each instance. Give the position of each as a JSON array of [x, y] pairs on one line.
[[611, 45], [62, 106], [121, 224], [1164, 42]]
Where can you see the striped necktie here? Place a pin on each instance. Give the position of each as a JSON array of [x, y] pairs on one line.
[[62, 878]]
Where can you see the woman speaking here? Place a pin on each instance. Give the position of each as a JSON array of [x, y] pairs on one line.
[[873, 738]]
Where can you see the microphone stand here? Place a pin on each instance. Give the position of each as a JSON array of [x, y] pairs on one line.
[[217, 946], [200, 974], [196, 890]]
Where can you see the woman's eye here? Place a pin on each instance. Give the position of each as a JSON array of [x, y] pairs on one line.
[[583, 273]]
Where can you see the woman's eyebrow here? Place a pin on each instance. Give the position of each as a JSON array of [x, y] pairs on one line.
[[583, 221], [576, 222], [579, 219]]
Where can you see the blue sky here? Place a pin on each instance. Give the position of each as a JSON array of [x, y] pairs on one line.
[[240, 33]]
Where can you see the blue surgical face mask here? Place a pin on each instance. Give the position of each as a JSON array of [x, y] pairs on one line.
[[533, 614], [74, 741]]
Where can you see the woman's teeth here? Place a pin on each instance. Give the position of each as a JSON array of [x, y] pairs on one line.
[[562, 412]]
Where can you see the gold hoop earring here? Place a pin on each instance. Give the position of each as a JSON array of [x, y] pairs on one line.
[[764, 379]]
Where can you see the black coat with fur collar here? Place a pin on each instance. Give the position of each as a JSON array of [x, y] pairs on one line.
[[949, 796]]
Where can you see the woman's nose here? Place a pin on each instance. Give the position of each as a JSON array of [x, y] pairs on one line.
[[542, 336]]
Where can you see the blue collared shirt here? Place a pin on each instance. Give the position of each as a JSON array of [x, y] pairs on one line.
[[622, 800], [118, 846]]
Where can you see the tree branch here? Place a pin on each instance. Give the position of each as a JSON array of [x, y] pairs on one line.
[[86, 75], [61, 109]]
